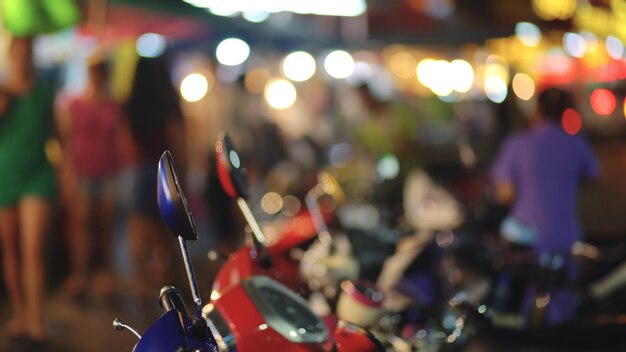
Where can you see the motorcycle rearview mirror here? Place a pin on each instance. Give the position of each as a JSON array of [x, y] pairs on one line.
[[234, 181], [177, 217], [172, 202]]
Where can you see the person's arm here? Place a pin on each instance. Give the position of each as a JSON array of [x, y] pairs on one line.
[[22, 76], [504, 192], [503, 174]]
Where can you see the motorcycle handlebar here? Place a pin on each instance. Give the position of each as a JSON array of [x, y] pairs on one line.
[[172, 298]]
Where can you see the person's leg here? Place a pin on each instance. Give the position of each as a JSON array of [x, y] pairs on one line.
[[10, 264], [138, 238], [33, 216], [79, 207], [105, 220]]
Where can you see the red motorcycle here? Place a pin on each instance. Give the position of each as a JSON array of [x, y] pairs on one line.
[[250, 309], [275, 260]]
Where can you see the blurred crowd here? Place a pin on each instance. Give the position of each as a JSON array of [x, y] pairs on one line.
[[76, 170]]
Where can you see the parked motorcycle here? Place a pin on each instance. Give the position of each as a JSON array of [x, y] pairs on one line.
[[175, 330], [258, 313]]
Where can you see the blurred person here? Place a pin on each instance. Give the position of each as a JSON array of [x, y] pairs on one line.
[[538, 173], [155, 123], [27, 186], [90, 128]]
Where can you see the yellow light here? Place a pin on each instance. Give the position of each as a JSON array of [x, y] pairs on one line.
[[462, 75], [403, 65], [497, 66], [271, 203], [280, 94], [194, 87], [523, 86], [554, 9], [299, 66]]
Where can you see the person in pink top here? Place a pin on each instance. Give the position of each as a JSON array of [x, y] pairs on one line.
[[91, 147]]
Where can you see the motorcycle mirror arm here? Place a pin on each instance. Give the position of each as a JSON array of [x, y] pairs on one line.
[[259, 237], [119, 325], [316, 213], [191, 276]]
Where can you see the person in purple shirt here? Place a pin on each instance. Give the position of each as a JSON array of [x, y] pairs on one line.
[[539, 172]]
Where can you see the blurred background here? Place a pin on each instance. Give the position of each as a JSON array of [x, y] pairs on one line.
[[369, 89]]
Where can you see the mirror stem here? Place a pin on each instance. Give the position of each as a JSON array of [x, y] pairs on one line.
[[256, 230], [119, 325], [316, 215], [190, 275]]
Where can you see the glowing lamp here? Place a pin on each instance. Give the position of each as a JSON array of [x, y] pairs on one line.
[[603, 102], [571, 122]]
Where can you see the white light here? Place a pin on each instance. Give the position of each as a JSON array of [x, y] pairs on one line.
[[425, 72], [614, 47], [232, 52], [280, 94], [194, 87], [574, 44], [223, 8], [462, 75], [255, 16], [495, 89], [348, 8], [339, 64], [234, 159], [299, 66], [528, 33], [363, 71], [442, 80], [388, 167], [150, 45]]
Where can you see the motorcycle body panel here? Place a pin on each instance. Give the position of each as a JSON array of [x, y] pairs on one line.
[[261, 312], [166, 335]]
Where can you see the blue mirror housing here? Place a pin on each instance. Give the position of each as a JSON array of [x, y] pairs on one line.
[[172, 202]]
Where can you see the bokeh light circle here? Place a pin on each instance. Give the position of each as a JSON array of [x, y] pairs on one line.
[[603, 101], [232, 52], [194, 87], [299, 66], [571, 122], [523, 86], [280, 94], [339, 64]]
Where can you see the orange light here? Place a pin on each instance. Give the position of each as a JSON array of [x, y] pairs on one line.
[[603, 102], [571, 121]]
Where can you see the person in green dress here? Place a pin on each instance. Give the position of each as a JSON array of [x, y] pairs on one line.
[[27, 185]]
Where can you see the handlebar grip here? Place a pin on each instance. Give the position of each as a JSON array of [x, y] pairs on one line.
[[172, 298]]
